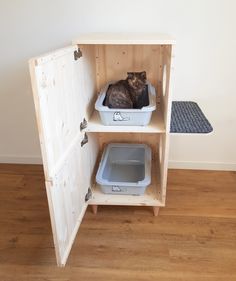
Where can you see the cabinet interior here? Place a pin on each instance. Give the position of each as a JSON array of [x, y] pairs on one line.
[[104, 63], [154, 195]]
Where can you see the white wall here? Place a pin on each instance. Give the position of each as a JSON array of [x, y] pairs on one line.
[[205, 65]]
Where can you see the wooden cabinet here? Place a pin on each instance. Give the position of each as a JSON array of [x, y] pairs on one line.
[[65, 86]]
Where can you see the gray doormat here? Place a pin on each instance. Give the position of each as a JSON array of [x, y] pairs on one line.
[[187, 117]]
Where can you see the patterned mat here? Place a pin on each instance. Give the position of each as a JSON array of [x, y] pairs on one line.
[[187, 117]]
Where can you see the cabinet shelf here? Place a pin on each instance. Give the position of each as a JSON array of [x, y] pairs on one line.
[[151, 197], [156, 125]]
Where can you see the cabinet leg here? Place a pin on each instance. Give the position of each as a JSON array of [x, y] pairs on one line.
[[94, 209], [156, 211]]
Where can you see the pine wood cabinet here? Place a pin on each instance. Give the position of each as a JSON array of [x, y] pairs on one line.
[[65, 86]]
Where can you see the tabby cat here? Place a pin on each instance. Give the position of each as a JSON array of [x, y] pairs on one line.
[[127, 93]]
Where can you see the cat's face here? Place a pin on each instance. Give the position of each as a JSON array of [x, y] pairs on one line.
[[137, 80]]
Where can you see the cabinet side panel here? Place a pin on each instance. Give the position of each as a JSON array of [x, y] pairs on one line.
[[166, 85], [163, 163], [166, 102]]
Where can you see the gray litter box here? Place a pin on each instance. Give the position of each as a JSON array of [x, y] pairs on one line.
[[126, 117], [125, 169]]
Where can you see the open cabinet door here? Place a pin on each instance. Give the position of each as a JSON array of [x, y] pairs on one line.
[[59, 90]]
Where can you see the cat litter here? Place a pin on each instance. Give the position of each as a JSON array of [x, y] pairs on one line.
[[126, 117], [125, 169]]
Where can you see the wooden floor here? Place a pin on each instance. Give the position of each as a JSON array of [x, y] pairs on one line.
[[193, 238]]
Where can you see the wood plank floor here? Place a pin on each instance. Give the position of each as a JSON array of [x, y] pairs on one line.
[[193, 238]]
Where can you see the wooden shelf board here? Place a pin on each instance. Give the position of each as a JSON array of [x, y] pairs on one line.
[[151, 196], [125, 38], [156, 125]]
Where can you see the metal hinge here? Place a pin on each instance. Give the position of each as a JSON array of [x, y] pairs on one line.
[[77, 54], [88, 194], [85, 140], [83, 124]]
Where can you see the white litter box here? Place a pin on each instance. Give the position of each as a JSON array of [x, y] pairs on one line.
[[125, 169], [126, 117]]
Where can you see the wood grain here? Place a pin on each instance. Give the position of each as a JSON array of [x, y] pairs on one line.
[[193, 238], [64, 90], [59, 83], [113, 62]]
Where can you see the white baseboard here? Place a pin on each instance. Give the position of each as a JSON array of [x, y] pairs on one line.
[[13, 159], [202, 165], [20, 159]]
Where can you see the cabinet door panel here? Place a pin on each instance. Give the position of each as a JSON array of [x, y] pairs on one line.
[[58, 82], [58, 87], [66, 193]]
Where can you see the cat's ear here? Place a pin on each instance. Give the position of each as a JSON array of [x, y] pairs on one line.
[[143, 75], [130, 75]]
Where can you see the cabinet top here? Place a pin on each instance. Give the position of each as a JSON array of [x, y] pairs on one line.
[[125, 38]]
